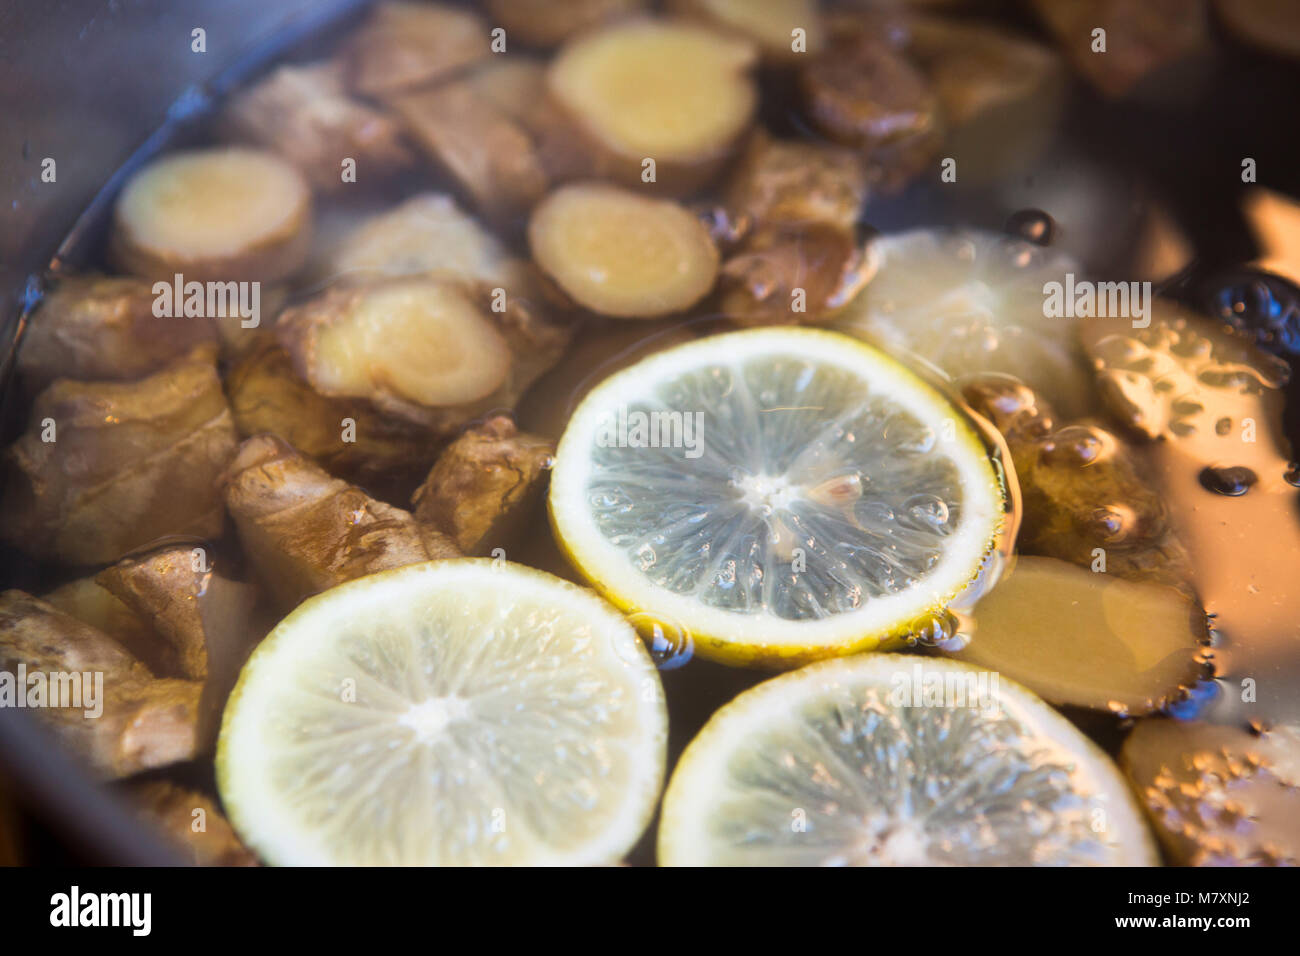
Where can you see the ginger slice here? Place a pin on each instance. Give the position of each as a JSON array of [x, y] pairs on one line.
[[304, 114], [676, 93], [305, 532], [1087, 639], [622, 254], [547, 23], [411, 44], [229, 213], [125, 719], [770, 23], [490, 154], [107, 467], [191, 821], [102, 328], [405, 344], [485, 487], [427, 233], [1218, 795]]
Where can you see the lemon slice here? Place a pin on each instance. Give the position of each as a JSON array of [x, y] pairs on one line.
[[971, 302], [778, 495], [449, 713], [892, 759]]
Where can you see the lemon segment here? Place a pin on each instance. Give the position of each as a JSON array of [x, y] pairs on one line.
[[448, 713], [851, 762], [780, 495]]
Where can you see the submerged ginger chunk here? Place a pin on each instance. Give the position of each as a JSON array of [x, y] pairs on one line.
[[408, 44], [431, 350], [797, 206], [492, 156], [306, 532], [118, 717], [106, 467], [304, 114], [485, 486], [348, 437], [191, 822], [863, 93], [103, 328]]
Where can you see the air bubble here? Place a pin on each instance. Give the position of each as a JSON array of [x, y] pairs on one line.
[[929, 510], [1233, 481]]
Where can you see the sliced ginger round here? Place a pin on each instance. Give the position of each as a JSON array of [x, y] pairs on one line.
[[231, 213], [770, 22], [677, 93], [1088, 639], [422, 342], [621, 254]]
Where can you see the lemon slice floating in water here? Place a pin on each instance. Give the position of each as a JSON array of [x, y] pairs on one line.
[[892, 759], [448, 713], [969, 302], [779, 495]]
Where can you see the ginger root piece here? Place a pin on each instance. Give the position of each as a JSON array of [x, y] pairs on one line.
[[102, 328], [547, 23], [490, 154], [192, 823], [800, 260], [425, 234], [164, 588], [305, 115], [975, 69], [1141, 38], [91, 603], [676, 93], [1218, 795], [229, 213], [792, 183], [431, 350], [1001, 94], [1083, 489], [485, 487], [348, 437], [622, 254], [114, 714], [510, 85], [1086, 639], [792, 274], [863, 93], [105, 467], [207, 620], [306, 532], [769, 23], [410, 44]]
